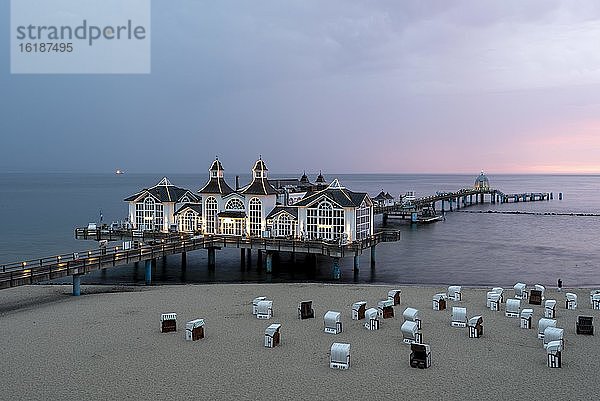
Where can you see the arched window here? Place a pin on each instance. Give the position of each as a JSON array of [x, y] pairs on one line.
[[190, 221], [255, 209], [325, 221], [211, 208], [234, 204], [149, 210], [284, 226]]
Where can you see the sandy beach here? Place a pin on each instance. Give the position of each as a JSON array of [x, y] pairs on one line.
[[107, 344]]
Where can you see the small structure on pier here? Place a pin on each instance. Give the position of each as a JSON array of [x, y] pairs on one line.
[[383, 199], [482, 183]]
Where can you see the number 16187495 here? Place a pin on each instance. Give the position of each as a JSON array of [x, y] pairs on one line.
[[46, 47]]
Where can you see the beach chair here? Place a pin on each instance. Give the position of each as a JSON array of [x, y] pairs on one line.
[[194, 330], [305, 310], [592, 293], [410, 332], [543, 324], [520, 291], [550, 309], [395, 296], [168, 322], [526, 316], [495, 301], [412, 315], [459, 317], [499, 290], [439, 301], [596, 301], [570, 301], [554, 354], [455, 292], [488, 299], [420, 356], [264, 309], [332, 322], [513, 307], [585, 325], [358, 310], [272, 335], [553, 334], [535, 297], [475, 327], [386, 308], [541, 288], [255, 302], [339, 356], [372, 319]]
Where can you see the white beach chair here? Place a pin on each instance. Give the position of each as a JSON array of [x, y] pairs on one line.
[[412, 315], [499, 290], [410, 332], [520, 291], [488, 299], [255, 302], [332, 322], [526, 316], [439, 301], [386, 308], [459, 317], [358, 310], [168, 322], [339, 357], [570, 301], [475, 327], [264, 309], [541, 288], [513, 307], [543, 324], [455, 292], [550, 308], [554, 354], [395, 296], [495, 301], [272, 335], [592, 293], [194, 330], [372, 319], [596, 301], [553, 334]]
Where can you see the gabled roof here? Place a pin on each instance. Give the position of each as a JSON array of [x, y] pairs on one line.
[[380, 196], [196, 207], [291, 210], [232, 214], [216, 185], [336, 193], [164, 191]]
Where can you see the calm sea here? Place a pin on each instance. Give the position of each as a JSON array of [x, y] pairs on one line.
[[39, 212]]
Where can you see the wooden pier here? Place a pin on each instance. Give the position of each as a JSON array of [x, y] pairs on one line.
[[77, 264], [423, 210]]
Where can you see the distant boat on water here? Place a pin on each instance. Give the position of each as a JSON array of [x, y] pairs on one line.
[[119, 172]]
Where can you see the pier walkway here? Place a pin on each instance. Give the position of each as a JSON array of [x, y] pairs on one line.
[[77, 264]]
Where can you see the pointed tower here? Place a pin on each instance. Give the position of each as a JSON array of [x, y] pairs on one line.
[[261, 198]]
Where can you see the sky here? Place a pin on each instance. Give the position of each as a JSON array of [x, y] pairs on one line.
[[341, 86]]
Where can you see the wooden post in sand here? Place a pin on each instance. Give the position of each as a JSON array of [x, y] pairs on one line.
[[356, 263], [149, 271], [373, 256], [269, 262], [77, 284], [211, 258]]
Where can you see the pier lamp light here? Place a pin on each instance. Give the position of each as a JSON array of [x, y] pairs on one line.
[[89, 253], [24, 264], [58, 258], [116, 248]]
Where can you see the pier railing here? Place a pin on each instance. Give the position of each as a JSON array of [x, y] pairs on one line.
[[50, 268]]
